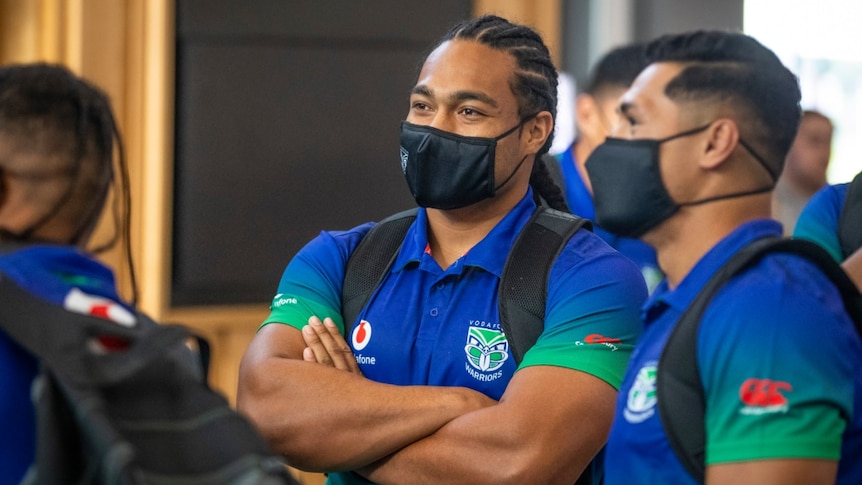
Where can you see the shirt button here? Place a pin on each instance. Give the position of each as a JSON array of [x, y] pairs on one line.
[[433, 312]]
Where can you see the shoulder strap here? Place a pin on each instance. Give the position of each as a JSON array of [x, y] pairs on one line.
[[369, 263], [524, 284], [523, 288], [681, 401], [59, 337], [850, 221]]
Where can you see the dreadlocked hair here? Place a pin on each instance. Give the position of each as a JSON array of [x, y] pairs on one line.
[[51, 97], [534, 83]]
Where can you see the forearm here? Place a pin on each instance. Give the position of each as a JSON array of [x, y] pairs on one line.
[[773, 472], [325, 419], [536, 437]]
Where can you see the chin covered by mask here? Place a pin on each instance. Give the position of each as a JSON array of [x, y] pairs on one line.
[[449, 171], [628, 192]]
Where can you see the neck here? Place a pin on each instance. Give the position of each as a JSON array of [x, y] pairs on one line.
[[452, 233], [681, 241], [582, 150], [799, 186]]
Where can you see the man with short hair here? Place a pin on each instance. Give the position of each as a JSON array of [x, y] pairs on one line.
[[596, 115], [706, 129], [805, 169]]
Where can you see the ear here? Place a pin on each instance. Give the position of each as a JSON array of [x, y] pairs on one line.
[[722, 138], [588, 120], [538, 130]]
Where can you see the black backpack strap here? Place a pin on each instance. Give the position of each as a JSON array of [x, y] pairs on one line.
[[850, 221], [523, 288], [57, 336], [369, 263], [681, 401]]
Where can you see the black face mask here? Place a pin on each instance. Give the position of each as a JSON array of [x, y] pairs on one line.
[[449, 171], [628, 192]]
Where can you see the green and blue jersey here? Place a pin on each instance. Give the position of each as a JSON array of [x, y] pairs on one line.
[[778, 358], [425, 325], [818, 221]]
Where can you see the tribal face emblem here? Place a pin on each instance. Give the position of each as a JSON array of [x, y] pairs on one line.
[[487, 350]]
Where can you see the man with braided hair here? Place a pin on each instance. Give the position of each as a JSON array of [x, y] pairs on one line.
[[424, 389], [57, 135]]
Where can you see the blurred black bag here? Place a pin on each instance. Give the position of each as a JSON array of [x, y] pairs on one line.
[[850, 221], [128, 405]]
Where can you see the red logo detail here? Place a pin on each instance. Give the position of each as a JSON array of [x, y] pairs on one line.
[[100, 310], [111, 343], [361, 333], [763, 392], [597, 338]]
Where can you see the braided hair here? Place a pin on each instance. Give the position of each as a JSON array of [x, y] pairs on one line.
[[42, 98], [534, 84]]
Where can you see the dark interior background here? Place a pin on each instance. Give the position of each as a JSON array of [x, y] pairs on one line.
[[287, 123]]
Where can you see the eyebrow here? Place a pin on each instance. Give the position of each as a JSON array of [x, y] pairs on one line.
[[457, 96]]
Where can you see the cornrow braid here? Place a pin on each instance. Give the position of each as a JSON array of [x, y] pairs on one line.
[[545, 188], [534, 83], [535, 80]]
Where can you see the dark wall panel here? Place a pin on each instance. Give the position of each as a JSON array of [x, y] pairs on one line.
[[287, 121]]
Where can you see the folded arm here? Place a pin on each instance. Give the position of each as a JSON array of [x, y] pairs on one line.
[[547, 427], [324, 419], [773, 472]]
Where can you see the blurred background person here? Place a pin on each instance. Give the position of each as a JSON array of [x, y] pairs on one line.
[[595, 115], [804, 170]]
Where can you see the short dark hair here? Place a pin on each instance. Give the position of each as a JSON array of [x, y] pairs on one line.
[[617, 69], [735, 69]]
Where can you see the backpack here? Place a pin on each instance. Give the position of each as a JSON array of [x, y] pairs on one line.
[[526, 271], [681, 401], [128, 405], [523, 287], [850, 221]]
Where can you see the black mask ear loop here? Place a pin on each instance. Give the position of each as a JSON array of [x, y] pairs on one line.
[[761, 162], [504, 135]]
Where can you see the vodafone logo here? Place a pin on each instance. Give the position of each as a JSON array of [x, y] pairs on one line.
[[361, 335], [597, 338]]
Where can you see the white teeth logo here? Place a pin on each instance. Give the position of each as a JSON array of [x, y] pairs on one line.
[[361, 335], [404, 156]]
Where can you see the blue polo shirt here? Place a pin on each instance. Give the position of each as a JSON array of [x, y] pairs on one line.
[[580, 201], [51, 273], [779, 361], [818, 221], [425, 325]]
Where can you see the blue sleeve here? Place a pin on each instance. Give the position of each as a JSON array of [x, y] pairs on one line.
[[311, 284], [777, 355], [592, 318], [818, 221]]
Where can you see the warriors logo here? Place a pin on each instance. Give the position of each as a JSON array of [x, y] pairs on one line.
[[487, 350], [642, 399]]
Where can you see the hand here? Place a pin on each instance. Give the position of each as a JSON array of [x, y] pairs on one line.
[[326, 346]]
